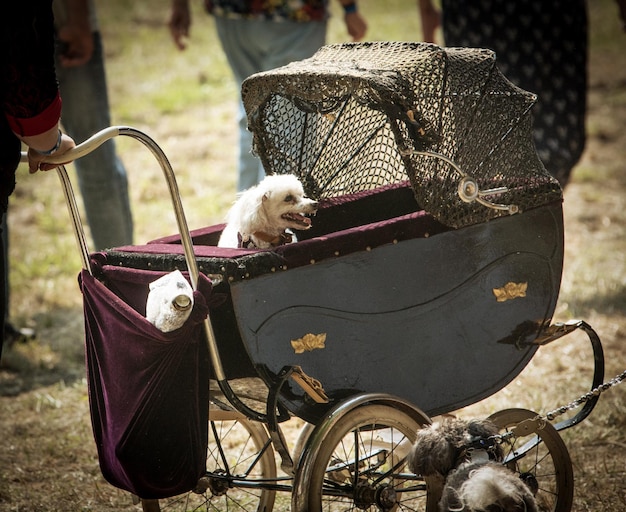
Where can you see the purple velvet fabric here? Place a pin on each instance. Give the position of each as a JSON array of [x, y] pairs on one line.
[[359, 238], [148, 390]]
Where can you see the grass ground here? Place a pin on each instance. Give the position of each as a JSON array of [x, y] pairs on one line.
[[187, 103]]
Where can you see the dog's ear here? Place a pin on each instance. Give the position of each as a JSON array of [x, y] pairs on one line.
[[432, 453]]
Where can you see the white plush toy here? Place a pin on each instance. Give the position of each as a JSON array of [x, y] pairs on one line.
[[170, 302]]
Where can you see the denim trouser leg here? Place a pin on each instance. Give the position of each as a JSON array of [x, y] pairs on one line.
[[252, 46], [250, 167], [101, 175]]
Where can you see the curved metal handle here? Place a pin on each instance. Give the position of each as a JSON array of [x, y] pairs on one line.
[[84, 148], [108, 133], [70, 198], [79, 231], [192, 266], [468, 189]]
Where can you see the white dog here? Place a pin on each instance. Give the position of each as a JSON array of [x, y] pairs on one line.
[[469, 458], [264, 215]]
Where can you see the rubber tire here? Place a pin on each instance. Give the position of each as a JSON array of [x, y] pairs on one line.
[[556, 486], [383, 416]]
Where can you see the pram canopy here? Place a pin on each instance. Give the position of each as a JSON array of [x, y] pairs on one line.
[[359, 116]]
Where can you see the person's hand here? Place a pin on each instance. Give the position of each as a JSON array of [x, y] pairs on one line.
[[431, 19], [35, 158], [40, 147], [180, 23], [76, 37], [356, 25]]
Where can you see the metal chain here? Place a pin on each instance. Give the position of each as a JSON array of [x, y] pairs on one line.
[[586, 397], [542, 420]]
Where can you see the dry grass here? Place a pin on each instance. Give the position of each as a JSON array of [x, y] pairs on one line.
[[47, 456]]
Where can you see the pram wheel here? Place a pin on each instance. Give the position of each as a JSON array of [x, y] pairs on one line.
[[359, 462], [240, 460], [540, 458]]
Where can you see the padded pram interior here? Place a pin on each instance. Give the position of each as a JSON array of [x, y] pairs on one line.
[[343, 224]]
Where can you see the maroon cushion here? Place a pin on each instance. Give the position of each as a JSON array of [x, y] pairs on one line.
[[344, 224]]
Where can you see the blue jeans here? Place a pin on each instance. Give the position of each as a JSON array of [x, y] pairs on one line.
[[101, 175], [252, 46]]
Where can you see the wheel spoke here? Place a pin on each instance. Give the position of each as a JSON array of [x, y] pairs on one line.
[[361, 464], [241, 472], [541, 459]]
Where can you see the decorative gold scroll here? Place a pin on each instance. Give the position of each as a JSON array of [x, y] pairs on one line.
[[510, 291], [309, 342]]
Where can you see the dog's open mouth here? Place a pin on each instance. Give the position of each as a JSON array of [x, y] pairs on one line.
[[297, 219]]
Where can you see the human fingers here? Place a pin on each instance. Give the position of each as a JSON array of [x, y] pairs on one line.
[[76, 46], [179, 28], [356, 25], [36, 159]]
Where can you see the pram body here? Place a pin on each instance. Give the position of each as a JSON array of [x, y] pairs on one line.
[[405, 305], [380, 274], [427, 282]]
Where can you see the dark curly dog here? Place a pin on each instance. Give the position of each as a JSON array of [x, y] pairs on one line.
[[466, 455]]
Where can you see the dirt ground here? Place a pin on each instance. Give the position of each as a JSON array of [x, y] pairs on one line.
[[48, 459]]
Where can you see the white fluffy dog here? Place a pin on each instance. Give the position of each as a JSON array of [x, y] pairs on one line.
[[466, 454], [264, 215]]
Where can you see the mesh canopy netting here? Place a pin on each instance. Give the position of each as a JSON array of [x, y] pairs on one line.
[[359, 116]]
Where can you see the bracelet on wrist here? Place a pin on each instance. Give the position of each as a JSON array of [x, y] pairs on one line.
[[54, 149], [349, 8]]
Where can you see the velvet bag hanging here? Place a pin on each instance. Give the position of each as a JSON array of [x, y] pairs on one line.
[[148, 390]]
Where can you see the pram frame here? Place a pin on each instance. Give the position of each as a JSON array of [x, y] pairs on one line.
[[301, 499]]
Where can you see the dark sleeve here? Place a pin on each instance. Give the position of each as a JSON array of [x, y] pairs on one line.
[[29, 86]]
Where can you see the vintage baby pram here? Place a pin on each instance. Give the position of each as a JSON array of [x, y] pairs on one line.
[[427, 283]]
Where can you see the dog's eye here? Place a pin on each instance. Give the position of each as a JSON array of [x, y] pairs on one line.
[[289, 199]]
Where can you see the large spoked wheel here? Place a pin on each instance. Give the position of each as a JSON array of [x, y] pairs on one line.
[[240, 469], [360, 464], [303, 436], [541, 459]]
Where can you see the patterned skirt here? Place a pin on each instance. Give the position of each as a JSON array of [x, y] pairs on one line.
[[542, 48]]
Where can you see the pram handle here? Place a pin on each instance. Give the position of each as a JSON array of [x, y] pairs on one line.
[[84, 148], [73, 154], [93, 143], [100, 138]]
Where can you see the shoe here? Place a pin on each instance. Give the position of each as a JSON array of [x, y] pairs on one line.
[[13, 335]]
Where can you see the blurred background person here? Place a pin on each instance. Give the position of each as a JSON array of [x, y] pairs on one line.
[[81, 73], [29, 99], [542, 48], [101, 175], [258, 36]]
